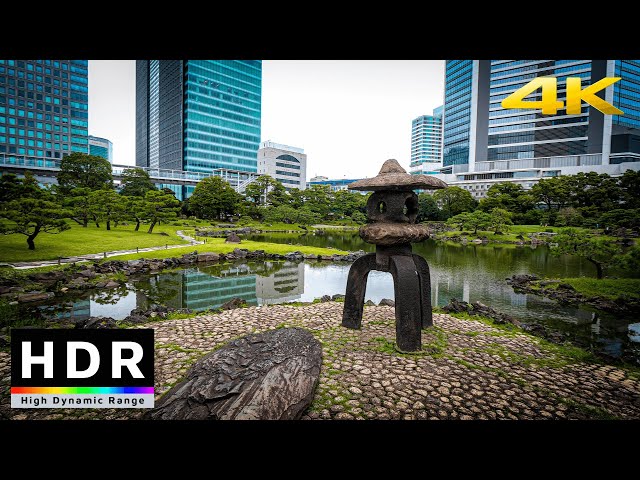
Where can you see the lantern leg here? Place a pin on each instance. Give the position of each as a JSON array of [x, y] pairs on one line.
[[406, 283], [422, 268], [356, 288]]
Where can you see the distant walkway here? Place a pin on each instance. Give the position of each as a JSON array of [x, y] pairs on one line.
[[99, 256]]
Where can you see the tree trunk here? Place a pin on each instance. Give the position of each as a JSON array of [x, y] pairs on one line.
[[30, 238], [108, 224], [153, 224], [599, 269], [85, 222], [137, 225], [76, 220]]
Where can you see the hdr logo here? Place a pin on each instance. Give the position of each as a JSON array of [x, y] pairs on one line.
[[549, 104], [82, 368]]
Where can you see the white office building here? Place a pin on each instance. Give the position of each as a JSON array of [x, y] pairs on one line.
[[286, 164]]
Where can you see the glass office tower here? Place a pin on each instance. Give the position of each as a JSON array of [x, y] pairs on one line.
[[198, 115], [43, 109]]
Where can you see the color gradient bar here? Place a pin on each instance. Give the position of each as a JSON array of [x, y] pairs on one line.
[[80, 390]]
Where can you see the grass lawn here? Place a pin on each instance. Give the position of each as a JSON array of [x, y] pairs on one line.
[[217, 245], [509, 236], [610, 288], [79, 240]]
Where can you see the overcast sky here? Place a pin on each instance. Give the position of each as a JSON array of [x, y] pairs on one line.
[[348, 115]]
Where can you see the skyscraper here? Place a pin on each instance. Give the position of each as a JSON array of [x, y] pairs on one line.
[[426, 143], [43, 109], [198, 115], [101, 147], [484, 143]]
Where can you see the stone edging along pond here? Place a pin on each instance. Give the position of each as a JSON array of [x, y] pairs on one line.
[[41, 286]]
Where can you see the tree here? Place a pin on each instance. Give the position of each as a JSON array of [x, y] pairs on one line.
[[569, 217], [344, 203], [553, 192], [472, 220], [107, 205], [599, 251], [630, 187], [258, 190], [359, 217], [134, 208], [593, 189], [213, 198], [499, 220], [478, 221], [296, 198], [80, 170], [459, 220], [427, 208], [11, 187], [454, 200], [287, 214], [621, 218], [136, 183], [80, 202], [317, 198], [159, 207], [507, 196], [33, 213], [629, 261]]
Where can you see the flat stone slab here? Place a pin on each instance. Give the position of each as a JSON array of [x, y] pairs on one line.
[[266, 376]]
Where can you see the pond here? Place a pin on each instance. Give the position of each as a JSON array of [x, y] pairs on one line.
[[466, 272]]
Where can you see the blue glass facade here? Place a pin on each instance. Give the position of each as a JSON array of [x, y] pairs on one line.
[[457, 112], [43, 108], [198, 115], [222, 113], [626, 93], [526, 133]]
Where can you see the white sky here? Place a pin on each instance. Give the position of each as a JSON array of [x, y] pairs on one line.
[[348, 115]]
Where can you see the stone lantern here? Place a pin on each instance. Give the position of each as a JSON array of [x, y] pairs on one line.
[[392, 210]]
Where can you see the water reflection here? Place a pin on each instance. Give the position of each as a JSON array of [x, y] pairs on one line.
[[471, 273]]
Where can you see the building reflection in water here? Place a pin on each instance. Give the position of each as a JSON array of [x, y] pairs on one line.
[[285, 285]]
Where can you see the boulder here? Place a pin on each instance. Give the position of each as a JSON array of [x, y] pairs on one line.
[[35, 296], [240, 252], [325, 298], [208, 257], [97, 322], [266, 376], [369, 303], [111, 284], [234, 303], [387, 302], [233, 238], [337, 296]]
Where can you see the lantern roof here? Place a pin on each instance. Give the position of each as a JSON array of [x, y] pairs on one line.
[[393, 177]]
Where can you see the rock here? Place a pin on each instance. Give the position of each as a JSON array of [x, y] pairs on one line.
[[325, 298], [87, 273], [4, 341], [111, 284], [135, 319], [268, 376], [233, 238], [369, 303], [387, 302], [240, 252], [566, 286], [35, 296], [234, 303], [477, 308], [208, 257], [97, 322], [337, 296]]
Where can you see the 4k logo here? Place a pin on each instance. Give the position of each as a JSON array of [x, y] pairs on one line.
[[575, 95]]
